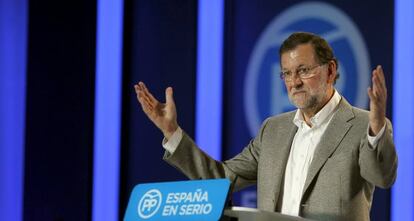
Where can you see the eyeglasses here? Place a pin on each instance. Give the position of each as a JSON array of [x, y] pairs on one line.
[[302, 72]]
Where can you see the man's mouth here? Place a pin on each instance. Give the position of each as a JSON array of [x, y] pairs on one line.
[[298, 92]]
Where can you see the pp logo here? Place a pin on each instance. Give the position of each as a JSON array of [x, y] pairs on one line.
[[149, 204], [265, 92]]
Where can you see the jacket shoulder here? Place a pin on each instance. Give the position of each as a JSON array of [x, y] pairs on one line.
[[280, 119]]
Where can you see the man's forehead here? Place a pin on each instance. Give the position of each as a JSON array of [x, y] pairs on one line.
[[301, 54]]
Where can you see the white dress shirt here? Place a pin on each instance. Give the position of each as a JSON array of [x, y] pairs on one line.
[[301, 153]]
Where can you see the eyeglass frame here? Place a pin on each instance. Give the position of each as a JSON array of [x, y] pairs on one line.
[[307, 71]]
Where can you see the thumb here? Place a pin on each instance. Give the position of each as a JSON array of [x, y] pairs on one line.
[[169, 96]]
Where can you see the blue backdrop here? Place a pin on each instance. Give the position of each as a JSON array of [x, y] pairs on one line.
[[253, 90]]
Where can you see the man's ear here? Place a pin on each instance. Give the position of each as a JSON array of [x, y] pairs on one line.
[[332, 71]]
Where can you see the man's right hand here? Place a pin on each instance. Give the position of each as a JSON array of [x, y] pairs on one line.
[[163, 115]]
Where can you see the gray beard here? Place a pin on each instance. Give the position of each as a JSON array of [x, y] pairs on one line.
[[310, 104]]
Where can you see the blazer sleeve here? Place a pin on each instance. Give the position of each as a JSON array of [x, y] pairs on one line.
[[379, 165], [241, 170]]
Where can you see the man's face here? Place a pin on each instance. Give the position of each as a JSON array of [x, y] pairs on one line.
[[311, 93]]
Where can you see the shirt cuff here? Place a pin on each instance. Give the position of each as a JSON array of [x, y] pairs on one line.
[[373, 140], [172, 144]]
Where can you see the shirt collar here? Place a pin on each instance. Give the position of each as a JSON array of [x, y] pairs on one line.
[[322, 114]]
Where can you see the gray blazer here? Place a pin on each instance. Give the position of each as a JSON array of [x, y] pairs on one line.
[[341, 178]]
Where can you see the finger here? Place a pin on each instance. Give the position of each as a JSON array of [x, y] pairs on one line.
[[371, 95], [169, 99], [141, 95], [146, 107], [373, 88], [378, 77], [381, 75], [138, 87], [379, 89], [376, 83], [146, 91], [144, 98], [142, 92]]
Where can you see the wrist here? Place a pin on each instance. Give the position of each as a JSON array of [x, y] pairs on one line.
[[375, 128], [170, 131]]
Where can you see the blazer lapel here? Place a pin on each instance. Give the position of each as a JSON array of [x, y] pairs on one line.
[[284, 138], [335, 132]]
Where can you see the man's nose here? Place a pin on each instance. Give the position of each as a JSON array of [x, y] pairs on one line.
[[296, 80]]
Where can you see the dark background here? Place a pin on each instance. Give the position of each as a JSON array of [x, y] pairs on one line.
[[59, 110]]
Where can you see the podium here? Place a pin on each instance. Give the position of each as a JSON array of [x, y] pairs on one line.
[[192, 201], [249, 214]]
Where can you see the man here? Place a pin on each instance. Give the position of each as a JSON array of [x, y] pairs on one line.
[[321, 161]]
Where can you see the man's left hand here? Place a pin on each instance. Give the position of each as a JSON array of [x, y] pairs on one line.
[[378, 101]]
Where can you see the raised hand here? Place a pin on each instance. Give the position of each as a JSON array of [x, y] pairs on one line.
[[163, 115], [378, 100]]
